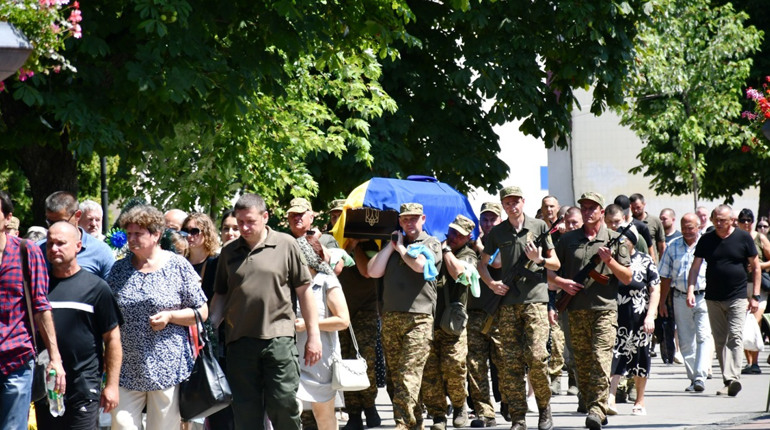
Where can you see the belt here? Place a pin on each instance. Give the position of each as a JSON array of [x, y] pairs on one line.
[[684, 293]]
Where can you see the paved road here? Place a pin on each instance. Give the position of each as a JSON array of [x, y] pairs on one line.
[[668, 405]]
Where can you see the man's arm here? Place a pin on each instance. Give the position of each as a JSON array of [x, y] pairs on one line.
[[377, 265], [44, 324], [665, 287], [620, 271], [661, 250], [113, 357], [310, 315], [217, 313], [496, 286], [692, 279], [756, 274]]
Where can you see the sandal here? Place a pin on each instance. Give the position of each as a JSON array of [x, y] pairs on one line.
[[638, 410]]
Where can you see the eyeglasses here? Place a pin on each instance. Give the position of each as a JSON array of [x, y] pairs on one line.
[[51, 222], [762, 226], [192, 231]]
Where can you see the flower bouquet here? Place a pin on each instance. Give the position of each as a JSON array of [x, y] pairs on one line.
[[118, 242]]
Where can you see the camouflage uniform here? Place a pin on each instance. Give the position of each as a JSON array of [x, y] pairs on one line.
[[445, 371], [592, 315], [482, 348], [523, 318], [556, 363], [365, 327]]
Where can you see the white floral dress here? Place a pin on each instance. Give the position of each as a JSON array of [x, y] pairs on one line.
[[631, 355]]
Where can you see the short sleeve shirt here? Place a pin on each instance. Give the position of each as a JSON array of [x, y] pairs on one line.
[[15, 330], [95, 256], [446, 285], [727, 259], [657, 232], [478, 303], [154, 360], [259, 285], [84, 309], [360, 291], [675, 265], [532, 288], [575, 251], [406, 290]]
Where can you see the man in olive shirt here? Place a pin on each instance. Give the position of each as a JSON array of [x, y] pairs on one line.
[[593, 313], [409, 301], [523, 314], [657, 232], [445, 371], [257, 276]]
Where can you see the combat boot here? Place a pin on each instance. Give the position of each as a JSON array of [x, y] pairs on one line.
[[556, 387], [354, 422], [460, 416], [372, 417], [519, 424], [504, 411], [545, 421], [439, 423]]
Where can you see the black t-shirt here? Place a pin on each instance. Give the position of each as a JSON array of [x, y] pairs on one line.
[[83, 310], [644, 231], [726, 263], [207, 281]]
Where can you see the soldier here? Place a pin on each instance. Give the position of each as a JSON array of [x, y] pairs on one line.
[[409, 300], [483, 347], [445, 371], [593, 312], [551, 211], [523, 314]]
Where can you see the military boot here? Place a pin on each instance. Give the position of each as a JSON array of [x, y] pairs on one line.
[[354, 422], [545, 421], [372, 417], [439, 423]]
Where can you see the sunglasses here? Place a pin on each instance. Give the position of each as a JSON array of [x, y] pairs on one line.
[[762, 226], [745, 221], [192, 231]]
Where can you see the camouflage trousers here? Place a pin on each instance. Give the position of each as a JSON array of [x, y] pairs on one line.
[[365, 328], [406, 339], [445, 372], [556, 363], [592, 333], [524, 334], [481, 349]]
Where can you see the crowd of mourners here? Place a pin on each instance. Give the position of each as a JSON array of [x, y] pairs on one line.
[[586, 290]]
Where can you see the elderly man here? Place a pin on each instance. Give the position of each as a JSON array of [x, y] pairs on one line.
[[91, 218], [523, 314], [408, 303], [300, 216], [94, 255], [17, 354], [86, 316], [257, 276], [693, 328], [728, 251], [593, 313]]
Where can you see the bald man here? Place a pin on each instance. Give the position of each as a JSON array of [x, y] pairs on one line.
[[174, 219], [85, 316]]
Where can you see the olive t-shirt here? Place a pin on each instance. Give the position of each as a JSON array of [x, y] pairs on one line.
[[360, 291], [727, 259], [533, 288], [457, 292], [406, 290], [477, 303], [258, 286], [575, 251]]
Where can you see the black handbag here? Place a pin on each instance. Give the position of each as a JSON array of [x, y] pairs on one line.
[[765, 284], [206, 390], [41, 360]]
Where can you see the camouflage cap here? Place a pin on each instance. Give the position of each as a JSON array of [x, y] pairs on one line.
[[299, 205], [511, 191], [411, 209], [593, 197], [493, 207], [463, 225], [337, 205], [13, 223]]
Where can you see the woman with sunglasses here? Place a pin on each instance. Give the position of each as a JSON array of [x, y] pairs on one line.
[[745, 222]]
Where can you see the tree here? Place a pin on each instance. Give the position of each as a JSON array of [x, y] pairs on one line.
[[147, 69], [685, 97]]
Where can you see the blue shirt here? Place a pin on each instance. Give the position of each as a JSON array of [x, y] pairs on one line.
[[95, 256], [676, 262]]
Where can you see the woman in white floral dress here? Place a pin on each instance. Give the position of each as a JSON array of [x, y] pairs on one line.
[[637, 309]]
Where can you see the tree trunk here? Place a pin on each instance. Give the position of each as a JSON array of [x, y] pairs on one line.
[[48, 169], [764, 194]]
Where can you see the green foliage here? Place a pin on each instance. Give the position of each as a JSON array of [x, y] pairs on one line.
[[684, 96]]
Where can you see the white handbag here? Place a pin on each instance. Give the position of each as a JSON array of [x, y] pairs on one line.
[[350, 374]]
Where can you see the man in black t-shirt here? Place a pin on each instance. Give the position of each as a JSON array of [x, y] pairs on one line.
[[85, 316], [728, 251]]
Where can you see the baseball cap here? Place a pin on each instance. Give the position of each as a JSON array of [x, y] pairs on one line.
[[463, 225], [337, 205], [593, 197], [13, 223], [511, 191], [411, 209], [299, 205], [493, 207]]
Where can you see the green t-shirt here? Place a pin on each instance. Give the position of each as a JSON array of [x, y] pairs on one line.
[[405, 290], [457, 291]]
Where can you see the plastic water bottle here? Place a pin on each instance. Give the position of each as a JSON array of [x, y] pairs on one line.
[[55, 400]]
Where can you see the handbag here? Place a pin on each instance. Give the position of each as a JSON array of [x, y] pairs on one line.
[[454, 318], [349, 374], [765, 284], [41, 360], [206, 390]]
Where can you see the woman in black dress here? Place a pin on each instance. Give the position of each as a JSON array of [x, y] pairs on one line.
[[637, 309]]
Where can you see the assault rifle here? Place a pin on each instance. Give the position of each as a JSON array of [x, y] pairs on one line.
[[521, 269], [589, 271]]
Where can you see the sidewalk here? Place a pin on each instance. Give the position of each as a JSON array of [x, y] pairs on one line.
[[668, 405]]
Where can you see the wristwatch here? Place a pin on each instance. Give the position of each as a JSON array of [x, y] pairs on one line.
[[446, 249], [756, 297]]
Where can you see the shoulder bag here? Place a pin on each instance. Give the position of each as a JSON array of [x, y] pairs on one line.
[[206, 390], [41, 360], [349, 374], [455, 317]]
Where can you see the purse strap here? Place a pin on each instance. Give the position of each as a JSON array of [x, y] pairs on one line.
[[353, 338], [27, 281], [199, 337]]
